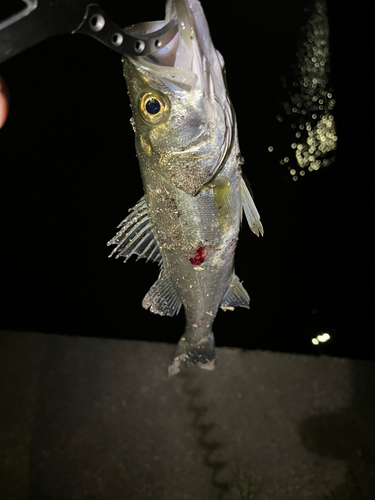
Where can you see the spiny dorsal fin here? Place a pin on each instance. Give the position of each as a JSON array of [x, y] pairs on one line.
[[136, 236], [251, 212], [236, 296], [162, 298]]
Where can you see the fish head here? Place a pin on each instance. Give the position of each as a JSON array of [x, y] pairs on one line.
[[182, 115]]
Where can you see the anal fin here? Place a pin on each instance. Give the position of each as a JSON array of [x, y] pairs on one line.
[[162, 298], [236, 296], [251, 212]]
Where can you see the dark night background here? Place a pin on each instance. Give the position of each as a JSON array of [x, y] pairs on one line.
[[69, 174]]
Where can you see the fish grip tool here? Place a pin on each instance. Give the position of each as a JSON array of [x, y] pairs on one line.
[[41, 19]]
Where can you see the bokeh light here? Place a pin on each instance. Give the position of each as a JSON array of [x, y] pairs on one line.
[[310, 103], [321, 338]]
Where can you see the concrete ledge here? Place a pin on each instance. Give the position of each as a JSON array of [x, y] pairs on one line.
[[90, 418]]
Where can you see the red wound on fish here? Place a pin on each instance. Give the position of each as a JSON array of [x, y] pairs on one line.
[[199, 256]]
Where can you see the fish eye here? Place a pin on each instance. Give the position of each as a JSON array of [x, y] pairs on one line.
[[153, 107]]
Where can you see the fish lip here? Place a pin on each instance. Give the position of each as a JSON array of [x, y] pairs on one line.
[[184, 50]]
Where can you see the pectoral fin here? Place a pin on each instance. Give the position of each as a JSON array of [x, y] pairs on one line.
[[251, 212], [135, 236], [162, 298], [236, 296]]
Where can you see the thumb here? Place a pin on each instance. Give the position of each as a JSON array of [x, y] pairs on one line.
[[4, 102]]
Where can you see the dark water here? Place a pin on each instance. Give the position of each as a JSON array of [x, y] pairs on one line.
[[69, 175]]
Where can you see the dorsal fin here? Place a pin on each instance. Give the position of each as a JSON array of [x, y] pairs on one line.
[[236, 296], [162, 298], [251, 212], [136, 236]]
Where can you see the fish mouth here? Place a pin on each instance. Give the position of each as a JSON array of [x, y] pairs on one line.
[[190, 56]]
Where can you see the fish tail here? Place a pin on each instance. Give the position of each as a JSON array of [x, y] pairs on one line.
[[192, 352]]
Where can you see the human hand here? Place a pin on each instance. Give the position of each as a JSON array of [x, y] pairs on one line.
[[4, 102]]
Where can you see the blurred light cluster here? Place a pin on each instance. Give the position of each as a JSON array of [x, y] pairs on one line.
[[310, 103], [320, 338]]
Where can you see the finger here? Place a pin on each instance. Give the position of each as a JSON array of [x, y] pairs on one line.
[[4, 102]]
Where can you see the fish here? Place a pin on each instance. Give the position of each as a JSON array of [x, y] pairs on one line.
[[189, 217]]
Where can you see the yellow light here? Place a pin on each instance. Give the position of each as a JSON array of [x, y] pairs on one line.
[[315, 341], [315, 139], [323, 337]]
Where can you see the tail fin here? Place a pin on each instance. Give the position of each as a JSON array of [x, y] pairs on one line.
[[189, 354]]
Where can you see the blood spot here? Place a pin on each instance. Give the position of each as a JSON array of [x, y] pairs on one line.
[[199, 256]]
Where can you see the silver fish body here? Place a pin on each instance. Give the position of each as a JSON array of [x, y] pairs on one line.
[[194, 195]]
